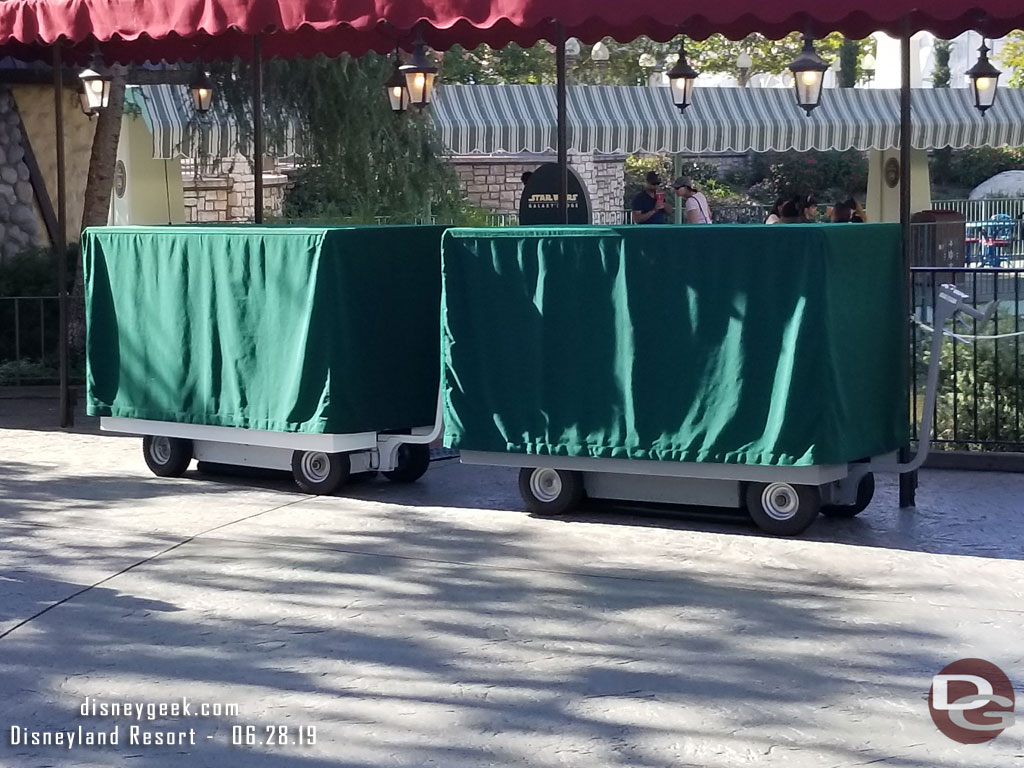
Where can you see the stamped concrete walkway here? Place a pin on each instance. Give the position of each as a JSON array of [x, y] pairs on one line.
[[438, 624]]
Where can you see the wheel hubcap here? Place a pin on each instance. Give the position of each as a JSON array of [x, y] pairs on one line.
[[315, 466], [160, 450], [780, 501], [545, 485]]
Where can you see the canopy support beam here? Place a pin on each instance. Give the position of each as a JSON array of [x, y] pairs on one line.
[[60, 243], [257, 128], [908, 480], [561, 109]]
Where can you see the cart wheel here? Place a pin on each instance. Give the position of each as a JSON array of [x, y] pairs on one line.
[[783, 509], [865, 492], [550, 491], [166, 456], [413, 461], [319, 473]]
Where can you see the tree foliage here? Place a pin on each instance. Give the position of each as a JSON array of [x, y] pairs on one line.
[[359, 160], [1012, 55], [512, 64], [941, 74]]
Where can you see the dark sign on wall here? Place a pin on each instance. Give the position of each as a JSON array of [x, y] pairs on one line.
[[539, 202]]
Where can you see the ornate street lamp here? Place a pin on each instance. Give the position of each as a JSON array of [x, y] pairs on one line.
[[202, 92], [808, 76], [984, 80], [419, 76], [600, 54], [744, 64], [868, 67], [572, 51], [681, 78], [397, 91], [94, 90]]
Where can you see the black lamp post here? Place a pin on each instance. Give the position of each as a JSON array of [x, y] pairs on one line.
[[202, 92], [398, 92], [419, 76], [808, 76], [680, 79], [94, 90], [984, 80]]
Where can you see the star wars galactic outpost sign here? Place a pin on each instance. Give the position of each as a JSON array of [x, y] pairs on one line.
[[539, 201]]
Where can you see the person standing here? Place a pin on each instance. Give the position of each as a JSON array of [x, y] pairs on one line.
[[696, 209], [649, 206]]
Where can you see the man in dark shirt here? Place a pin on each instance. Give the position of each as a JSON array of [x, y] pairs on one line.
[[649, 206]]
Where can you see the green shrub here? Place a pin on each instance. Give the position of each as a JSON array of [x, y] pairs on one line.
[[830, 176], [17, 372], [970, 167], [969, 384]]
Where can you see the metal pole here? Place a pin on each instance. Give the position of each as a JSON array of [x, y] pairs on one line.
[[677, 206], [257, 127], [908, 481], [563, 130], [61, 244]]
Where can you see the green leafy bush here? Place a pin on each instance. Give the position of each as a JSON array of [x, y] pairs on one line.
[[18, 372], [970, 167], [970, 378], [829, 176]]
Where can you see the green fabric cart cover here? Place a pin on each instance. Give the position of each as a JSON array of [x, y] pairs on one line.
[[757, 345], [317, 330]]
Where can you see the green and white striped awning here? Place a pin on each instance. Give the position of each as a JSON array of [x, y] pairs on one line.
[[493, 119], [176, 129], [514, 119], [179, 132]]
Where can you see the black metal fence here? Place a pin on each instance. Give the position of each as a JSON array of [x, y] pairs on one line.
[[980, 390], [29, 337]]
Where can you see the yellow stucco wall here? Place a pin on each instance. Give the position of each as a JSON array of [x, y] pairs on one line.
[[35, 103], [153, 193], [884, 201]]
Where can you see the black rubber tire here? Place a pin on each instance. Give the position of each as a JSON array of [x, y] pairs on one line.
[[413, 462], [865, 492], [166, 456], [320, 473], [803, 502], [564, 496]]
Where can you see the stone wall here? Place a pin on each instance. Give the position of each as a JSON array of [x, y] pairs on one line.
[[19, 227], [495, 183], [229, 196]]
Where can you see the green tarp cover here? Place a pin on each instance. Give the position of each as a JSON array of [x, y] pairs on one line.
[[757, 345], [317, 330]]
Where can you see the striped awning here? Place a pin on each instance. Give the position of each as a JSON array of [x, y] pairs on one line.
[[493, 119], [176, 129]]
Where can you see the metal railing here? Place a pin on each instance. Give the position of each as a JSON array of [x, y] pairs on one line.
[[980, 387], [29, 337], [983, 210]]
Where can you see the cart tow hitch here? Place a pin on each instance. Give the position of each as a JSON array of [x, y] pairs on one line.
[[950, 303]]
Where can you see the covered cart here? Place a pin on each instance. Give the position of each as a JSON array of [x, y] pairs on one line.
[[309, 349], [730, 365]]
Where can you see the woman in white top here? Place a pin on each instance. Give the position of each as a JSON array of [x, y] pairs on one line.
[[696, 210], [775, 214]]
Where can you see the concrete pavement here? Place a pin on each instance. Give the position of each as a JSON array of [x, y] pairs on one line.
[[438, 624]]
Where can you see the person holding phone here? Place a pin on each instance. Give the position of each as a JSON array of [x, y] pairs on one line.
[[649, 206]]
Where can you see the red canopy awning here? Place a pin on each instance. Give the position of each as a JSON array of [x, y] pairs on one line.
[[136, 30]]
